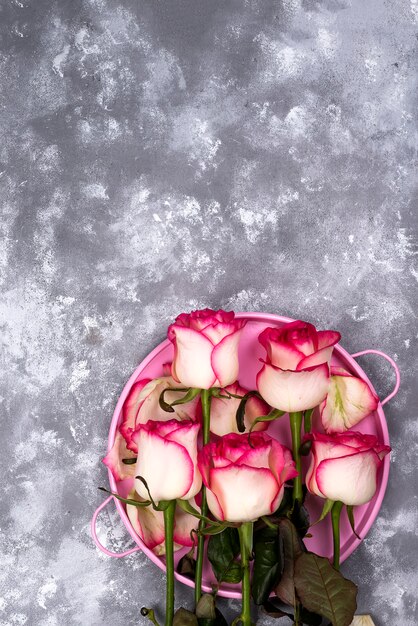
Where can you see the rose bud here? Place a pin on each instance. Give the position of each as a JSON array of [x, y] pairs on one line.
[[344, 466], [167, 460], [349, 400], [149, 525], [243, 482], [206, 348], [295, 375], [142, 405], [223, 412]]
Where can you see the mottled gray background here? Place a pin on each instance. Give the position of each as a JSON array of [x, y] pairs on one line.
[[158, 156]]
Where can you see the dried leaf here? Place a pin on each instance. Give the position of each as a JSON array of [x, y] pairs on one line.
[[323, 590]]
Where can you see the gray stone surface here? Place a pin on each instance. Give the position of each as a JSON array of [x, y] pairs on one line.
[[159, 156]]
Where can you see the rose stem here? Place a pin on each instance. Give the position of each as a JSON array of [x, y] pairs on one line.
[[169, 559], [245, 532], [205, 397], [295, 427], [335, 516]]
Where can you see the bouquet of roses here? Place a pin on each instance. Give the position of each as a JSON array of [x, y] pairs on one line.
[[207, 475]]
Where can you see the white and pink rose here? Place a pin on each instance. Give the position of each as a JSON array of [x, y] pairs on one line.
[[344, 466], [167, 460], [206, 348], [245, 482], [295, 374]]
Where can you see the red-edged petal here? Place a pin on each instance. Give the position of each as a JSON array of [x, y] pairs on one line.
[[293, 391], [216, 332], [133, 402], [257, 457], [165, 465], [327, 338], [350, 479], [244, 493], [186, 435], [285, 356], [224, 359], [349, 400], [147, 523], [214, 505], [231, 447], [192, 360], [322, 356], [184, 524], [281, 462], [113, 459]]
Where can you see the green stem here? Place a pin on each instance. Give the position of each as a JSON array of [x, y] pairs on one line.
[[245, 532], [205, 397], [335, 517], [295, 427], [308, 420], [169, 557], [297, 621], [149, 614]]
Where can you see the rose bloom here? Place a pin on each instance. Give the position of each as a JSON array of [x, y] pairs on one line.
[[344, 466], [349, 400], [244, 482], [223, 412], [149, 525], [295, 375], [206, 348], [140, 406], [167, 460]]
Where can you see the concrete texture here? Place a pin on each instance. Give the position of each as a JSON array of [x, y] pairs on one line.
[[161, 156]]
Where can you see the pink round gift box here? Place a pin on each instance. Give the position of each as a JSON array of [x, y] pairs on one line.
[[250, 351]]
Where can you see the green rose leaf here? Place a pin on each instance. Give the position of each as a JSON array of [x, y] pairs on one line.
[[271, 417], [323, 590], [188, 397], [309, 618], [268, 563], [223, 549]]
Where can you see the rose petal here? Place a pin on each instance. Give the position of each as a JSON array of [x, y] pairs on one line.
[[147, 523], [224, 359], [150, 408], [223, 412], [133, 402], [244, 493], [192, 361], [322, 356], [349, 400], [279, 352], [350, 479], [165, 465], [281, 462], [113, 459], [214, 506], [327, 338], [293, 391], [186, 436], [184, 524]]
